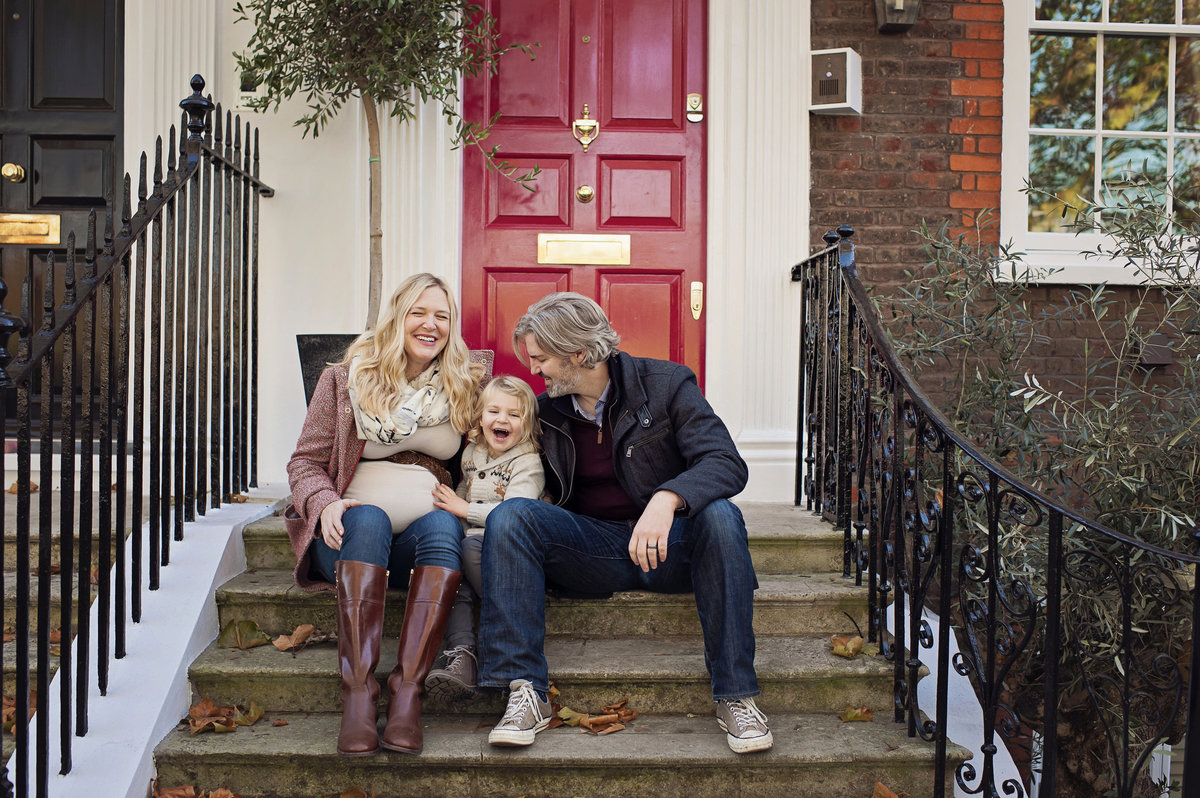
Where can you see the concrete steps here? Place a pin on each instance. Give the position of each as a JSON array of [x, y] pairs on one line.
[[815, 756], [640, 646]]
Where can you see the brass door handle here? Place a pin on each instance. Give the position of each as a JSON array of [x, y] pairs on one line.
[[697, 299], [12, 172], [585, 194], [585, 129]]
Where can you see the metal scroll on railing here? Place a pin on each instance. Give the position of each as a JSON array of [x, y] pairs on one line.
[[949, 539], [143, 378]]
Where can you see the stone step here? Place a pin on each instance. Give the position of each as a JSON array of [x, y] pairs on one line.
[[664, 675], [10, 599], [10, 528], [815, 755], [783, 539], [10, 665], [784, 604]]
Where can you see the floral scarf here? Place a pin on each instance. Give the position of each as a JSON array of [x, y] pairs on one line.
[[421, 402]]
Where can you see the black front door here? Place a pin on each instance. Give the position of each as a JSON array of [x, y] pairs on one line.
[[61, 106]]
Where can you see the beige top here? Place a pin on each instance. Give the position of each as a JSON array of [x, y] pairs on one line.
[[404, 492]]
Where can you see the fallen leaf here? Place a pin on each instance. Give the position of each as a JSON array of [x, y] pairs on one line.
[[10, 634], [279, 722], [846, 646], [13, 488], [242, 634], [206, 715], [870, 649], [239, 498], [221, 792], [56, 635], [882, 791], [855, 714], [95, 576], [296, 639], [357, 792], [570, 716], [176, 792], [613, 727], [598, 722]]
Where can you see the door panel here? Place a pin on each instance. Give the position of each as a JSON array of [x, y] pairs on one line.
[[510, 293], [72, 66], [632, 63]]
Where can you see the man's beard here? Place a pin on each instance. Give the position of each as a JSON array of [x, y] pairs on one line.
[[566, 382]]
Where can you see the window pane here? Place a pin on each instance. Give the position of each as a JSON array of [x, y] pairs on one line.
[[1063, 166], [1191, 12], [1127, 158], [1062, 86], [1140, 156], [1078, 10], [1151, 11], [1135, 83], [1187, 84], [1187, 180]]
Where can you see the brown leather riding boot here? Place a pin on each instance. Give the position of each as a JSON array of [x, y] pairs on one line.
[[360, 589], [431, 592]]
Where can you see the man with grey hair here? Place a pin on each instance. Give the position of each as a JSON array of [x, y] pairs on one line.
[[639, 473]]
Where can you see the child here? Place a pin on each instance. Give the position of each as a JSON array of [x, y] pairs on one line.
[[501, 461]]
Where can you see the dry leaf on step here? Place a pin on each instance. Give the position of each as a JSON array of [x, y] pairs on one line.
[[882, 791], [187, 791], [296, 639], [846, 646], [855, 714], [242, 634]]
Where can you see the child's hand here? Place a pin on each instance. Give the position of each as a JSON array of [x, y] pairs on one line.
[[446, 499]]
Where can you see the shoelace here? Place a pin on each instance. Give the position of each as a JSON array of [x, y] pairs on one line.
[[745, 713], [521, 701], [454, 656]]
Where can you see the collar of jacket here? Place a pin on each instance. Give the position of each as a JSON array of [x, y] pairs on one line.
[[627, 392]]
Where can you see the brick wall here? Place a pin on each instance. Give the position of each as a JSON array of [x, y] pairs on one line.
[[927, 145]]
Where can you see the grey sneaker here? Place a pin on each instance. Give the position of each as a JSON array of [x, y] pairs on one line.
[[454, 680], [525, 716], [745, 726]]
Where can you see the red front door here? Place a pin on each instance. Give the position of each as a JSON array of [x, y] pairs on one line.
[[636, 244]]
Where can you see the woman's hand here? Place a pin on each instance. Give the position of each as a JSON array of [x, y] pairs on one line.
[[446, 499], [331, 522]]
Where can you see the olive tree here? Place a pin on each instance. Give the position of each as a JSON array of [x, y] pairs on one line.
[[386, 53]]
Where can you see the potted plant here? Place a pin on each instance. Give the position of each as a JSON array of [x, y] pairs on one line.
[[397, 53]]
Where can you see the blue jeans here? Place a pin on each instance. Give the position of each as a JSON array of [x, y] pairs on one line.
[[531, 544], [433, 539]]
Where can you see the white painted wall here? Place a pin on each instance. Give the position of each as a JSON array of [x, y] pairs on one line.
[[313, 249]]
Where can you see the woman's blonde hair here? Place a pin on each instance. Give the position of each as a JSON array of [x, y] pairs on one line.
[[382, 359], [520, 390]]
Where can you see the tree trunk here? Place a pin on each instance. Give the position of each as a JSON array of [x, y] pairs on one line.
[[375, 280]]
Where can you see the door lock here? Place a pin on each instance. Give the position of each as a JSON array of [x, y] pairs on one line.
[[12, 172], [697, 299]]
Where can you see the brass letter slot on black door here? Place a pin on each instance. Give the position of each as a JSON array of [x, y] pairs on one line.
[[30, 228]]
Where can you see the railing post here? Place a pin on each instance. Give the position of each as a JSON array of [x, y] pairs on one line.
[[1191, 756], [197, 107]]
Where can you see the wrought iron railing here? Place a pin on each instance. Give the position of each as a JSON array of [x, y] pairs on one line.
[[144, 378], [935, 526]]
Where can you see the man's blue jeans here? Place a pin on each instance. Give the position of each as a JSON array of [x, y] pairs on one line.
[[433, 539], [531, 544]]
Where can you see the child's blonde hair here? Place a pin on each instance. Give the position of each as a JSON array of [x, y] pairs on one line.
[[518, 389]]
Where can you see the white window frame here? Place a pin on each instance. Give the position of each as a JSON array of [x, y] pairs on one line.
[[1058, 251]]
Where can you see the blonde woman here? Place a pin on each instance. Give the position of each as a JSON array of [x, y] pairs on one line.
[[380, 429]]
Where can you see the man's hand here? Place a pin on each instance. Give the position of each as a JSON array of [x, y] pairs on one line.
[[446, 499], [331, 522], [648, 546]]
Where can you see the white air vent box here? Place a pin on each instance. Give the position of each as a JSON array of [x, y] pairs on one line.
[[836, 82]]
